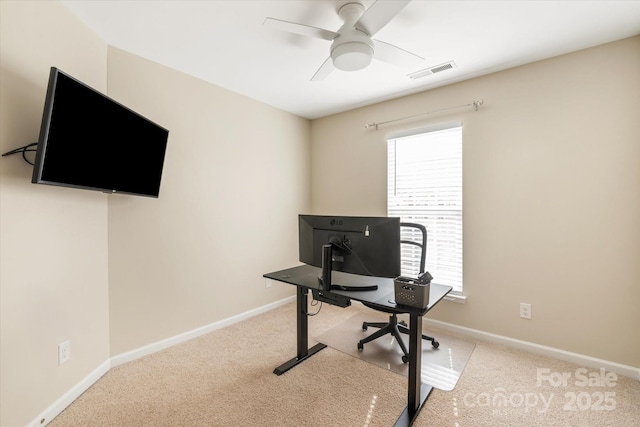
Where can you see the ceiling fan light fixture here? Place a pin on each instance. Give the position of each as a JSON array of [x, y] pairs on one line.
[[352, 48], [352, 56]]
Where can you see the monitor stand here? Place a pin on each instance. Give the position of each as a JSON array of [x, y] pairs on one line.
[[324, 278]]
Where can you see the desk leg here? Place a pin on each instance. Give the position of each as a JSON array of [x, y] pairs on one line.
[[304, 352], [417, 392]]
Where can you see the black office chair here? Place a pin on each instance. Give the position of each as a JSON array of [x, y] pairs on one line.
[[394, 327]]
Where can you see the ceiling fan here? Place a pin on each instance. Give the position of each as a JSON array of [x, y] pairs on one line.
[[352, 47]]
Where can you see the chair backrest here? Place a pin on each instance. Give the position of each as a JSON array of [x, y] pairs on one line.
[[422, 244]]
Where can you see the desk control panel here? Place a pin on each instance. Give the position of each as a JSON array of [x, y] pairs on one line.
[[330, 298]]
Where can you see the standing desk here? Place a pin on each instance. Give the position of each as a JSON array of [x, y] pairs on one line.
[[305, 278]]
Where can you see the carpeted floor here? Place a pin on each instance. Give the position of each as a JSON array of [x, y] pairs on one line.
[[225, 379]]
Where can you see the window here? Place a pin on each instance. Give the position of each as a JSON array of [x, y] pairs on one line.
[[425, 186]]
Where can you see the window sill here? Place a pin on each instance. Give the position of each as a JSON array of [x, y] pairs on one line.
[[457, 298]]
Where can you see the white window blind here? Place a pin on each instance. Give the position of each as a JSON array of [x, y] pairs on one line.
[[425, 186]]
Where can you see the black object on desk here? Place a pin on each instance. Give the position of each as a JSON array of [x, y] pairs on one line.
[[305, 278], [326, 285], [326, 279]]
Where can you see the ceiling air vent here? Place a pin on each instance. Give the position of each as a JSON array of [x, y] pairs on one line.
[[432, 70]]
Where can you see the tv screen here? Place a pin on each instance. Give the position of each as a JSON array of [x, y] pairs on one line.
[[89, 141]]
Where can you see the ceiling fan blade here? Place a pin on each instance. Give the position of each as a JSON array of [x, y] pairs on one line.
[[325, 69], [301, 29], [396, 56], [379, 14]]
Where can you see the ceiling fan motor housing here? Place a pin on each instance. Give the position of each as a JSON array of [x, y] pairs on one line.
[[353, 49], [352, 52]]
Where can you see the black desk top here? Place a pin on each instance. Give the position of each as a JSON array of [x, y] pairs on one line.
[[384, 297]]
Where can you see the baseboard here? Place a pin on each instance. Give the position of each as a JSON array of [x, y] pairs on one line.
[[66, 399], [579, 359], [169, 342]]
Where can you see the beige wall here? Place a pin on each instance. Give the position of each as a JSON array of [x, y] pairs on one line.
[[235, 179], [115, 273], [53, 250], [551, 195]]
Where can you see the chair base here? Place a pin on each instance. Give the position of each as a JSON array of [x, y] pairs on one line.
[[394, 328]]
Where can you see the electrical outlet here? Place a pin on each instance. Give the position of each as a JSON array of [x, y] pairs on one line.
[[267, 283], [64, 352], [525, 310]]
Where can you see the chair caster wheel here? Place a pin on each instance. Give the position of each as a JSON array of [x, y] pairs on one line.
[[402, 322], [405, 359], [364, 326], [360, 346], [435, 344]]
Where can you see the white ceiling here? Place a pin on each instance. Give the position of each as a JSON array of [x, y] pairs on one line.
[[225, 42]]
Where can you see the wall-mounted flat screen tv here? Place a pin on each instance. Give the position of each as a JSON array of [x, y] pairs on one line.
[[89, 141]]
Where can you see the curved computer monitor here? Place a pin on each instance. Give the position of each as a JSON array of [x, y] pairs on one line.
[[367, 246]]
